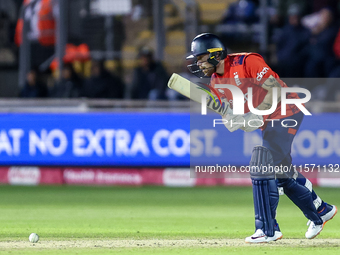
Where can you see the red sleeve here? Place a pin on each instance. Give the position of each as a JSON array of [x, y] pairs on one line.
[[336, 46], [18, 32], [257, 69]]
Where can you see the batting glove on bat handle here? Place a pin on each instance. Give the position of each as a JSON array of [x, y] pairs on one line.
[[255, 120], [233, 122]]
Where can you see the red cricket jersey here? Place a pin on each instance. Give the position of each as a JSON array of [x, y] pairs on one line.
[[245, 70]]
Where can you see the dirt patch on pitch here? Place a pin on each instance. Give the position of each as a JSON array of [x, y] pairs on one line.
[[90, 243]]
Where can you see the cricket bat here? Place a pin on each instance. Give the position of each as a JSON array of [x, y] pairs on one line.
[[195, 92]]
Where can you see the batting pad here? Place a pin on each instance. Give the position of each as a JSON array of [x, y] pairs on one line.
[[265, 193]]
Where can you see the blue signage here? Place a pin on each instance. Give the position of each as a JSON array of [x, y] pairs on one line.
[[149, 139], [101, 139], [317, 142]]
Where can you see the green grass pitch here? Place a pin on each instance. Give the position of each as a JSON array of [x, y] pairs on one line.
[[91, 215]]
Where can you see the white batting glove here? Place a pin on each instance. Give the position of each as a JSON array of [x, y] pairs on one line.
[[256, 120], [231, 120]]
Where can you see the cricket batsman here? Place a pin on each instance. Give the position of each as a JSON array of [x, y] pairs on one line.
[[246, 70]]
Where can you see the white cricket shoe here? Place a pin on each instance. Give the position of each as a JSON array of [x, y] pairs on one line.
[[329, 214], [313, 230], [260, 237], [326, 214]]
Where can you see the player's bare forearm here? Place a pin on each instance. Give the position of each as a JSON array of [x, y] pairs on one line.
[[268, 85]]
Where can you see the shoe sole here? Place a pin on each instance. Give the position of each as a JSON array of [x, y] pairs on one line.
[[267, 242], [336, 210]]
